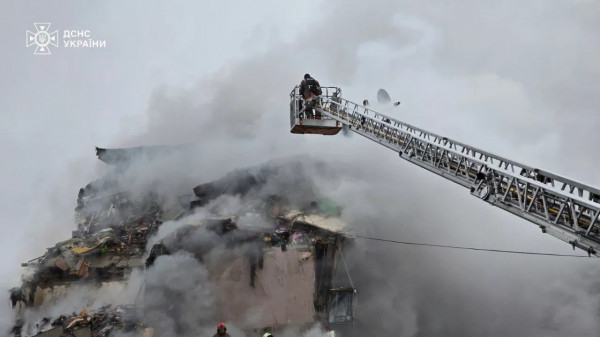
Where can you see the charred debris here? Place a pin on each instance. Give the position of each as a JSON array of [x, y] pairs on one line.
[[281, 249]]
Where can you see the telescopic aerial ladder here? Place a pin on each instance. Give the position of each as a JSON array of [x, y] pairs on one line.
[[561, 207]]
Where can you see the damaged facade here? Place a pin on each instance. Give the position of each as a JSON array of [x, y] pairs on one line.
[[271, 262]]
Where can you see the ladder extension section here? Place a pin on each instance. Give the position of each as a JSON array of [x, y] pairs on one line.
[[560, 206]]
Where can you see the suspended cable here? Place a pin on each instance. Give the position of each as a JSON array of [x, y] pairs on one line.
[[469, 248], [142, 284], [337, 245]]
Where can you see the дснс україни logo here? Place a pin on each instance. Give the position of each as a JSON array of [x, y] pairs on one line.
[[71, 38], [42, 38]]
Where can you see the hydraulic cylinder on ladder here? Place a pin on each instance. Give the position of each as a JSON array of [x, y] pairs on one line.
[[561, 207]]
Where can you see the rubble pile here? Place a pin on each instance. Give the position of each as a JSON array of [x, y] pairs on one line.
[[100, 323], [110, 239], [116, 224]]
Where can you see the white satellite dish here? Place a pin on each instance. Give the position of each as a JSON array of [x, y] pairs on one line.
[[383, 97]]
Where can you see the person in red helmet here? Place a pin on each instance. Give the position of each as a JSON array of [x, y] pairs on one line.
[[221, 331]]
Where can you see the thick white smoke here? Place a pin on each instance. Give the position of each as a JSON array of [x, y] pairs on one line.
[[518, 82]]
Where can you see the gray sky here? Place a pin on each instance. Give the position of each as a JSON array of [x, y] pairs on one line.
[[515, 79]]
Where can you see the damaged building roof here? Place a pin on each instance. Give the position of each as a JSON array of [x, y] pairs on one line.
[[281, 258], [131, 154]]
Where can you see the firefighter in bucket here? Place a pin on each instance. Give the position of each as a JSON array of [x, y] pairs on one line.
[[310, 90]]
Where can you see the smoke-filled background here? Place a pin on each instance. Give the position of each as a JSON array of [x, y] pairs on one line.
[[517, 79]]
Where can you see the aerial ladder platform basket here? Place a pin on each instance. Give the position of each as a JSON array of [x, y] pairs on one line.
[[304, 121]]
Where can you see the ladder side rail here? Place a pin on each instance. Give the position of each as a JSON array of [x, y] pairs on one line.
[[574, 188], [463, 166], [294, 113]]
